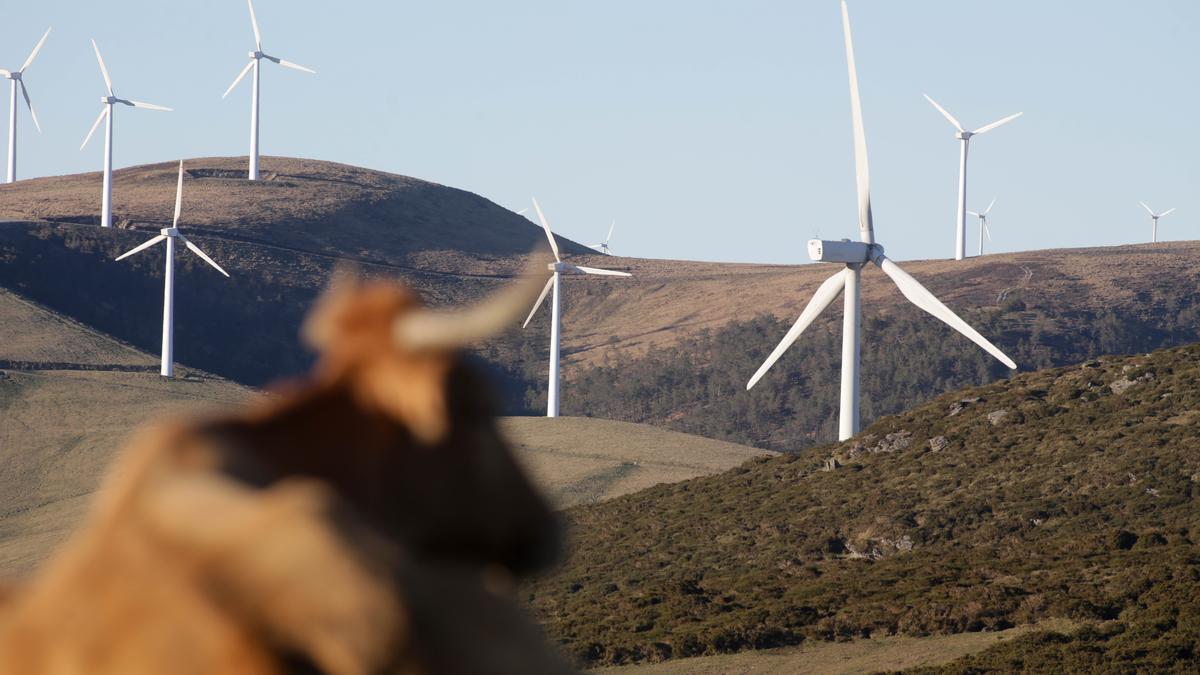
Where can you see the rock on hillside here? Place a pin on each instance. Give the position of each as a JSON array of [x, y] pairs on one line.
[[1071, 493]]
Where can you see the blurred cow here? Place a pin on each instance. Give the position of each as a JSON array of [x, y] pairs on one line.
[[349, 524]]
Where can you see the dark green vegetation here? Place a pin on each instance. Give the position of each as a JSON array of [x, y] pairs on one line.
[[1070, 493], [699, 386]]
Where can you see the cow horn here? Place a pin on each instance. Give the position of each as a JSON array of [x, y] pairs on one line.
[[431, 329]]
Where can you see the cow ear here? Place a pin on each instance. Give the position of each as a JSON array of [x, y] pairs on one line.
[[321, 326]]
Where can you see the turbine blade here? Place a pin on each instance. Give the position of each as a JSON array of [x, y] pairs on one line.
[[601, 272], [196, 249], [997, 123], [546, 226], [1168, 211], [103, 69], [149, 106], [4, 72], [921, 297], [294, 66], [862, 172], [241, 76], [989, 208], [1148, 209], [610, 231], [825, 295], [95, 125], [945, 114], [254, 24], [178, 196], [143, 247], [29, 104], [987, 231], [34, 53], [538, 303], [977, 215]]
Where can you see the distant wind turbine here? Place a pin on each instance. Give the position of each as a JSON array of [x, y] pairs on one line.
[[964, 136], [169, 235], [16, 80], [106, 113], [603, 246], [255, 64], [983, 228], [557, 269], [855, 255], [1154, 220]]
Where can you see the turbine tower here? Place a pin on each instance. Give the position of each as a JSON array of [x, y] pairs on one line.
[[603, 246], [854, 255], [964, 137], [557, 269], [106, 114], [16, 80], [169, 235], [1154, 220], [983, 228], [255, 64]]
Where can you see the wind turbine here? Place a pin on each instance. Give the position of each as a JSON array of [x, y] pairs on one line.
[[169, 235], [255, 63], [983, 228], [15, 80], [1154, 220], [603, 246], [855, 255], [106, 114], [964, 136], [557, 269]]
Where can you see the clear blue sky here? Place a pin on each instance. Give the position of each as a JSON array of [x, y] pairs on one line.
[[708, 130]]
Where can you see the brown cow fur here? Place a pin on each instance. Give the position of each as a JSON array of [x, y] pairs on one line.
[[329, 528]]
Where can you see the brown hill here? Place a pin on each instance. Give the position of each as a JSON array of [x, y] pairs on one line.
[[281, 237]]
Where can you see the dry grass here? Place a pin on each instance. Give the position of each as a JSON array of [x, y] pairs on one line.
[[884, 654], [581, 460]]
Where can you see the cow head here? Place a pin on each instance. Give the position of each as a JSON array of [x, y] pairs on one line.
[[447, 481]]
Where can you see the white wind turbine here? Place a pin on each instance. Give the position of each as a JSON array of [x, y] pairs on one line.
[[1154, 220], [855, 255], [603, 246], [557, 269], [106, 114], [255, 63], [964, 137], [983, 228], [15, 80], [169, 235]]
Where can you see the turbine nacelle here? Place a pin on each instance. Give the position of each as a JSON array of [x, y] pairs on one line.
[[11, 75], [964, 135], [560, 267], [843, 251], [169, 232], [258, 55]]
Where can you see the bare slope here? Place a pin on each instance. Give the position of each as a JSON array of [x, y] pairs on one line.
[[580, 460]]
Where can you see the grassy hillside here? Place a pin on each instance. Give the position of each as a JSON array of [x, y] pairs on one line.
[[70, 396], [1069, 493]]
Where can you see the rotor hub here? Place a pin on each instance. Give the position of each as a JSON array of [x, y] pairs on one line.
[[169, 232], [257, 55], [559, 267], [14, 75], [964, 135]]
